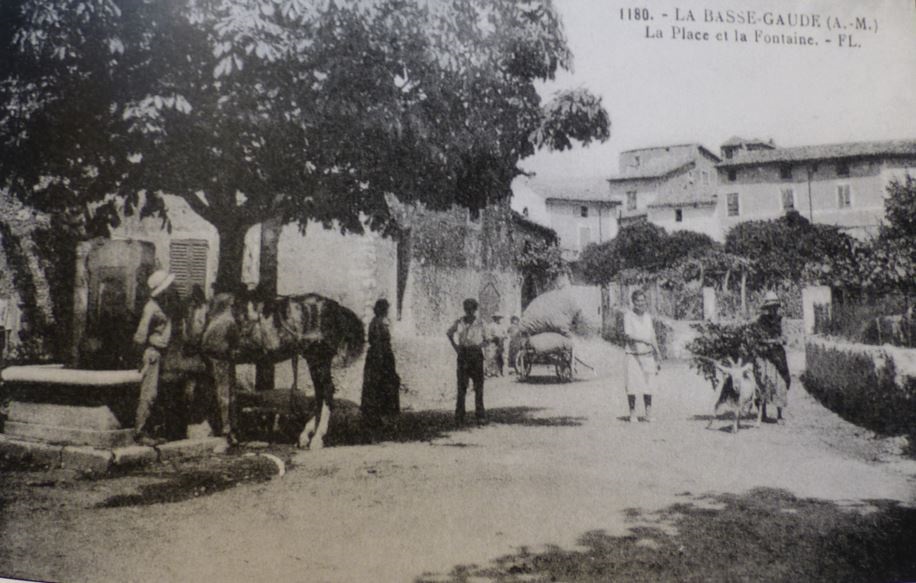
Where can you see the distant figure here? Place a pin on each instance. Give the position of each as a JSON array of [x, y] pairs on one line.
[[219, 346], [468, 336], [154, 334], [774, 387], [515, 342], [642, 355], [499, 332], [381, 384]]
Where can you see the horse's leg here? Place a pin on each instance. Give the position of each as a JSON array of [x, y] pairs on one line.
[[305, 438], [319, 365], [324, 395]]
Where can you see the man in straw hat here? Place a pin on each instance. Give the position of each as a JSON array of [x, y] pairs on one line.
[[154, 332]]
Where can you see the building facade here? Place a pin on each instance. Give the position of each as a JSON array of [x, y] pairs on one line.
[[580, 211], [835, 184], [671, 186]]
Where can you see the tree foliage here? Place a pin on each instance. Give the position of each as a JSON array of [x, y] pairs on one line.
[[540, 259], [304, 109], [781, 248], [644, 250], [884, 264], [721, 342], [900, 210]]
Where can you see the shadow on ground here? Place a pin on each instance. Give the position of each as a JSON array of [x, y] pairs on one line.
[[193, 478], [765, 535], [275, 417]]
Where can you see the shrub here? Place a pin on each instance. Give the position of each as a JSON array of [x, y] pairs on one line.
[[851, 384]]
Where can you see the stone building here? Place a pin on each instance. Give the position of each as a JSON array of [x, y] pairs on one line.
[[671, 186], [580, 210], [834, 184]]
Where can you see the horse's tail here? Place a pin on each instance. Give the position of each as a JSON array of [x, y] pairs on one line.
[[344, 330]]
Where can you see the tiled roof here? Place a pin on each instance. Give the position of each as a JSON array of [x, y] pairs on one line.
[[655, 169], [683, 198], [573, 188], [822, 152], [546, 232]]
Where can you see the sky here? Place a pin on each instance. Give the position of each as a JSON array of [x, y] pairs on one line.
[[672, 91]]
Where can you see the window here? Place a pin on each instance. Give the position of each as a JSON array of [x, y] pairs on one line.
[[843, 196], [842, 169], [635, 161], [705, 175], [188, 261], [678, 215], [631, 200], [734, 208], [788, 199], [525, 212], [785, 171], [585, 237], [473, 214], [583, 211], [732, 175]]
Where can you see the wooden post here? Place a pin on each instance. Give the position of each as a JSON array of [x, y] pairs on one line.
[[744, 292]]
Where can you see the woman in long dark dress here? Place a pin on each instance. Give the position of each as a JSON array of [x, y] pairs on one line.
[[773, 369], [381, 383]]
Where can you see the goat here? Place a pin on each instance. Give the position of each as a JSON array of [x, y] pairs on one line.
[[737, 391]]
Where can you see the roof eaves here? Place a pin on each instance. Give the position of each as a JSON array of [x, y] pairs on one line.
[[663, 174]]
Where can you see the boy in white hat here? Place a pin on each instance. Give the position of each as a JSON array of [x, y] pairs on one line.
[[154, 332]]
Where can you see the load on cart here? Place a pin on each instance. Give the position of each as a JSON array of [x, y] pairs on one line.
[[547, 328]]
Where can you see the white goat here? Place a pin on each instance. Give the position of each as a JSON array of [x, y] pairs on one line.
[[736, 391]]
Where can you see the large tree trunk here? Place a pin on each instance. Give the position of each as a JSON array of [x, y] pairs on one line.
[[231, 254], [267, 281]]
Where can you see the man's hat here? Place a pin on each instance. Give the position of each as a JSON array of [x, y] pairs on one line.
[[470, 304], [159, 281], [771, 299]]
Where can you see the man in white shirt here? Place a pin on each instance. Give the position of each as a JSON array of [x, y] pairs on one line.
[[468, 335]]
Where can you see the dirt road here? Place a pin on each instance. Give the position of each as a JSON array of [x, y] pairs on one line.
[[557, 487]]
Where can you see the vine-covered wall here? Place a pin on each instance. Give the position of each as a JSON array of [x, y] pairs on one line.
[[29, 319]]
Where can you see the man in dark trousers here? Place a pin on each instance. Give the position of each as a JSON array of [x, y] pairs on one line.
[[468, 335]]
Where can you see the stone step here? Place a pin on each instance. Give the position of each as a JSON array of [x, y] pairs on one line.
[[98, 418], [69, 435]]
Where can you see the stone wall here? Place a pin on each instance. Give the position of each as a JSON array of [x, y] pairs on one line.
[[24, 289]]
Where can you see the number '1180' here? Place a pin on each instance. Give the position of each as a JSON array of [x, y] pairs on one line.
[[634, 14]]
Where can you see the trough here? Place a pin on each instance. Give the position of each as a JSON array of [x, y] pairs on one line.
[[57, 405]]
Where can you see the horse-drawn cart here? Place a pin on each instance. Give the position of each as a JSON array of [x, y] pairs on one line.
[[547, 349]]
